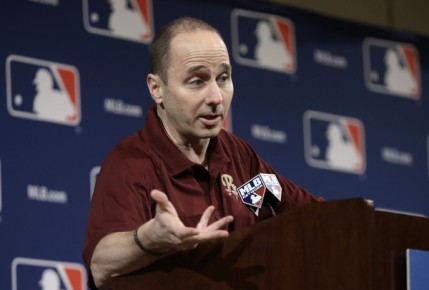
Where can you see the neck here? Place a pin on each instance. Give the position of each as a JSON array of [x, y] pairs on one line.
[[195, 150]]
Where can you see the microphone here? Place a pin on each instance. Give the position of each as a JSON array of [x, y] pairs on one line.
[[263, 189]]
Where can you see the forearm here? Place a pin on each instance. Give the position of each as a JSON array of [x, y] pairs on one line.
[[118, 254]]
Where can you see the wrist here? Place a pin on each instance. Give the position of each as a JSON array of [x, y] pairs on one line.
[[145, 249]]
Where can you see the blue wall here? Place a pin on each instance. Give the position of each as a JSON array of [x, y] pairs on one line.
[[342, 110]]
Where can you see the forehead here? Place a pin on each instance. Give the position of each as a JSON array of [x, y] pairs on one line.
[[199, 47]]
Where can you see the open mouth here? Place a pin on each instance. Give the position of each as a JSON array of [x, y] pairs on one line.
[[210, 120]]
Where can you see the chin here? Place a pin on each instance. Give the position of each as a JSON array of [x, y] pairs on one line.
[[210, 133]]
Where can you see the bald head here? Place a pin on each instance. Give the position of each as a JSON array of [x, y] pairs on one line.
[[160, 56]]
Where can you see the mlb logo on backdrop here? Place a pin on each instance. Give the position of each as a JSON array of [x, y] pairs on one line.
[[42, 90], [263, 40], [334, 142], [125, 19], [392, 68], [45, 274]]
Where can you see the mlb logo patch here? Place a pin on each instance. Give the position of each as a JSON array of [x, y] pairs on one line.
[[44, 274], [392, 68], [125, 19], [252, 192], [272, 184], [334, 142], [42, 90], [264, 41]]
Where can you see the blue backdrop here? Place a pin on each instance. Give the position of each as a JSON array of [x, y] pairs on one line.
[[339, 108]]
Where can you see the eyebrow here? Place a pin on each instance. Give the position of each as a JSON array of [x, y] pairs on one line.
[[226, 66], [197, 68]]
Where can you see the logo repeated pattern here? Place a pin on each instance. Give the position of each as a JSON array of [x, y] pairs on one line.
[[263, 40], [28, 273], [128, 20], [334, 142], [66, 101], [43, 90], [392, 68]]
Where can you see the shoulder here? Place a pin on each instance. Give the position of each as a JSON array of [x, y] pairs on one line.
[[129, 153], [128, 147]]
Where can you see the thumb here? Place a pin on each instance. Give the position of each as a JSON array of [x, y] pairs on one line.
[[162, 201]]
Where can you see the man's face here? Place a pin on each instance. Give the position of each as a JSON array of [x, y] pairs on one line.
[[198, 95]]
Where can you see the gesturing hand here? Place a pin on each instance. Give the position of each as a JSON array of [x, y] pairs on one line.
[[166, 230]]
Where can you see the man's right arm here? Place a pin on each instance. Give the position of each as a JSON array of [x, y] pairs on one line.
[[118, 253]]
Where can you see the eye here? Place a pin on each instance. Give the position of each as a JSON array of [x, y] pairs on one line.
[[223, 78], [196, 82]]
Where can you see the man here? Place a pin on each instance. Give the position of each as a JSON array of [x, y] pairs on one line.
[[172, 185]]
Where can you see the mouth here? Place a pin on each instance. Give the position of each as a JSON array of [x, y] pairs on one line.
[[211, 120]]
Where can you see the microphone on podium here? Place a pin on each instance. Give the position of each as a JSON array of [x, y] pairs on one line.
[[263, 189]]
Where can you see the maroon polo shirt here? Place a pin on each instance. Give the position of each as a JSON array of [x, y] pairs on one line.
[[149, 160]]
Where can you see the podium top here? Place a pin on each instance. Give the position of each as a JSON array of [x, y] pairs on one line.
[[344, 244]]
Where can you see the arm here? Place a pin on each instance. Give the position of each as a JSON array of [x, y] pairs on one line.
[[118, 254]]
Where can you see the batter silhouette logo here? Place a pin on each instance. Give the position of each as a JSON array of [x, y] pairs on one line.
[[392, 68], [334, 142], [263, 40], [30, 273], [42, 90], [125, 19]]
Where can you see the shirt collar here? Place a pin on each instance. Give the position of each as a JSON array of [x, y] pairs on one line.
[[174, 160]]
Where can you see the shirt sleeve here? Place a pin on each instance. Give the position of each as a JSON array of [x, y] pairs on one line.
[[120, 201]]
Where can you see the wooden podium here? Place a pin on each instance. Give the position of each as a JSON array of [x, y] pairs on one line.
[[342, 245]]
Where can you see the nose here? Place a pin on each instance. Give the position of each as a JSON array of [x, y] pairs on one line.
[[214, 95]]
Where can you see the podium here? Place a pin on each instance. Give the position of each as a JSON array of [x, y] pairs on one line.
[[342, 245]]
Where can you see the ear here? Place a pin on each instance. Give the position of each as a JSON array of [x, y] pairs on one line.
[[155, 86]]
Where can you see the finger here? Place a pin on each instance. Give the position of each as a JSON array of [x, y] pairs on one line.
[[162, 201], [169, 231], [185, 232], [220, 224], [204, 220], [181, 240], [205, 236], [213, 231], [158, 196]]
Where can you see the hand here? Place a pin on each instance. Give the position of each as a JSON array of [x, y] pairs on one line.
[[166, 230]]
